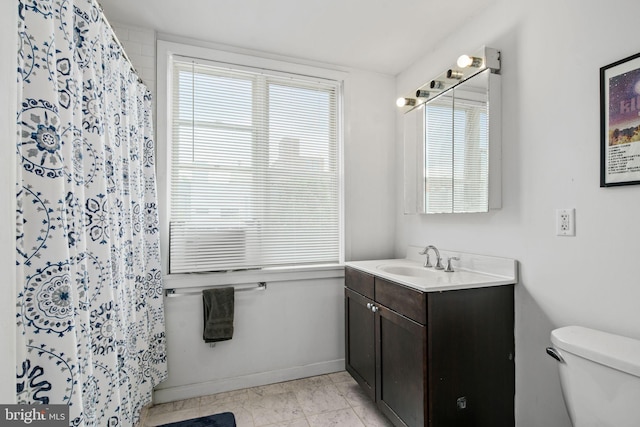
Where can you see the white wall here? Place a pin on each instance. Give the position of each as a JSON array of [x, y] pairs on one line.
[[369, 166], [552, 52], [295, 328], [8, 49], [291, 330]]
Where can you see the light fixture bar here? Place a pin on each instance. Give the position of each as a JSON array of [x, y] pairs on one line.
[[466, 67]]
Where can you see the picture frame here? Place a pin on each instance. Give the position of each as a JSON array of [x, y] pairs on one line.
[[620, 122]]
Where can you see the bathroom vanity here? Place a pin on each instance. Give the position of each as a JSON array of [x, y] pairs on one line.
[[433, 348]]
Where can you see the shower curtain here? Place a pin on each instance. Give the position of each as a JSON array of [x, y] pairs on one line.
[[90, 315]]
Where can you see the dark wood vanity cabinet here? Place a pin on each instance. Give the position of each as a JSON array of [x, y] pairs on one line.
[[437, 359]]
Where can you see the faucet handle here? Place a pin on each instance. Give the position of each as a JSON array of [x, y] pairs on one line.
[[449, 268]]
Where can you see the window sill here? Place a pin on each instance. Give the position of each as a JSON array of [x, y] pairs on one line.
[[250, 277]]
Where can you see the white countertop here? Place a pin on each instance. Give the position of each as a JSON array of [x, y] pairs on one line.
[[471, 271]]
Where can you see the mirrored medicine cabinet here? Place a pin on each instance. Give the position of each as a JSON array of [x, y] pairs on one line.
[[452, 140]]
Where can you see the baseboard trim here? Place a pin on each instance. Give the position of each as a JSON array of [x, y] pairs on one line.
[[170, 394]]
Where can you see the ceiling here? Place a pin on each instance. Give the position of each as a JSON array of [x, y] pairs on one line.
[[385, 36]]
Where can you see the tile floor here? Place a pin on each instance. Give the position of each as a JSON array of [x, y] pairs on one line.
[[322, 401]]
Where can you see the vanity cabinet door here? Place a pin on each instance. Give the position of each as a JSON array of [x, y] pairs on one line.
[[401, 383], [360, 349], [471, 357]]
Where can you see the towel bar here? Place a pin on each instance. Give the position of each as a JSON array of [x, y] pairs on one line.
[[173, 292]]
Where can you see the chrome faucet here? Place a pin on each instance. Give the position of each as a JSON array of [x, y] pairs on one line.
[[427, 261]]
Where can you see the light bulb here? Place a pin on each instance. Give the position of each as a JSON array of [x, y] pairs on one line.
[[465, 61], [402, 102], [420, 93]]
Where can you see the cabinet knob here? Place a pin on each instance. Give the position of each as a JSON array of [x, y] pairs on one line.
[[374, 309], [369, 305]]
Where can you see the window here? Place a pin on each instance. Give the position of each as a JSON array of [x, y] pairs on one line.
[[254, 168]]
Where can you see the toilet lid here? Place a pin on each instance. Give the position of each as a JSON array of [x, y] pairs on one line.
[[615, 351]]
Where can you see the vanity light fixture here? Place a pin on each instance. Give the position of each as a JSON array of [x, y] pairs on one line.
[[465, 61], [466, 67], [454, 74], [405, 102]]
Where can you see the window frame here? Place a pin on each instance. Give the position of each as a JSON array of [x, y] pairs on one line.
[[166, 51]]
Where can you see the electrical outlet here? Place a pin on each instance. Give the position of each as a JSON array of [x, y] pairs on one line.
[[565, 222]]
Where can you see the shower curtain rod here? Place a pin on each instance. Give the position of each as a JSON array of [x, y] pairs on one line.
[[172, 292], [117, 41]]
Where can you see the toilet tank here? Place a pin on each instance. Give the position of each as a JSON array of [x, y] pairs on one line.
[[600, 376]]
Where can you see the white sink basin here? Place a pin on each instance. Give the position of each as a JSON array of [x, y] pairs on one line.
[[405, 270], [470, 271]]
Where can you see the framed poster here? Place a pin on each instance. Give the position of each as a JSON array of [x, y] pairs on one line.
[[620, 122]]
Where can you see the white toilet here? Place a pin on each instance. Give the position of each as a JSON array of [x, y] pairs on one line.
[[600, 376]]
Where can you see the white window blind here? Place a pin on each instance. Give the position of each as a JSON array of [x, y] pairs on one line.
[[471, 157], [439, 155], [254, 169]]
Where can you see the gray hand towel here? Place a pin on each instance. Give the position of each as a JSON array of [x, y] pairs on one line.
[[218, 306]]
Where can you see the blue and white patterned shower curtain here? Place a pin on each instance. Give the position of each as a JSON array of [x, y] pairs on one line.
[[90, 314]]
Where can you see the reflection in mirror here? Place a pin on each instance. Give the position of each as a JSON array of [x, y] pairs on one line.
[[438, 154], [471, 145], [452, 149]]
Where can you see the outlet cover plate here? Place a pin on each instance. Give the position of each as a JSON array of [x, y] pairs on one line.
[[565, 222]]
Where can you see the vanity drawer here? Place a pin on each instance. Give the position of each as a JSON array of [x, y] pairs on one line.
[[361, 282], [401, 299]]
